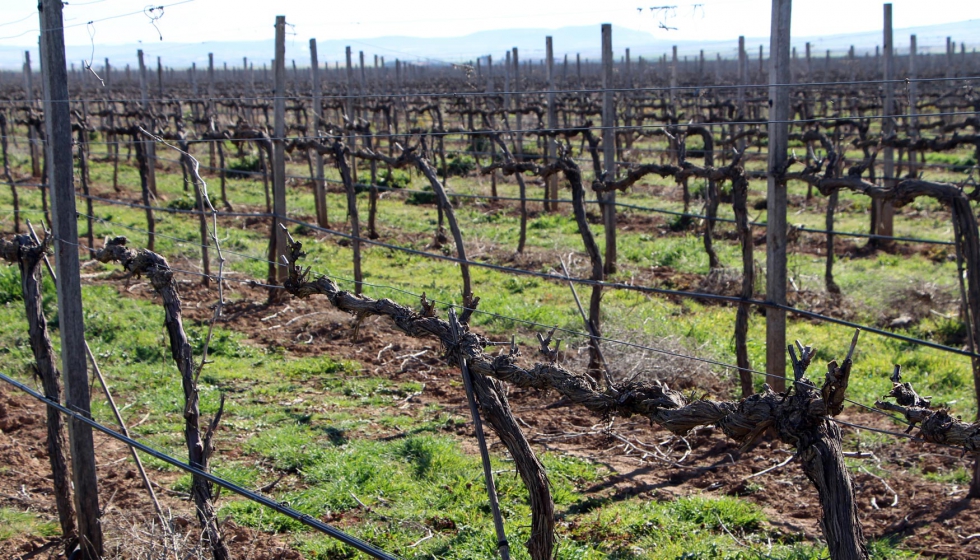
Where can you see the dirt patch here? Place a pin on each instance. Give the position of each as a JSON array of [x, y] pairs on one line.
[[131, 526]]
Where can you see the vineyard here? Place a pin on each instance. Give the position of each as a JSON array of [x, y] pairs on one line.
[[708, 308]]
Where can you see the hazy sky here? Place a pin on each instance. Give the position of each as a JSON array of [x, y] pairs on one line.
[[197, 21]]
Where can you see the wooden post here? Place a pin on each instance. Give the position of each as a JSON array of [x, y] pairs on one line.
[[159, 80], [673, 78], [507, 67], [762, 72], [551, 190], [368, 142], [809, 68], [143, 96], [83, 176], [212, 152], [351, 116], [32, 139], [112, 150], [608, 149], [362, 89], [886, 210], [493, 145], [148, 145], [401, 103], [779, 113], [279, 153], [319, 191], [519, 148], [349, 101], [949, 57], [627, 144], [743, 80], [913, 91], [28, 79], [74, 369], [489, 73], [672, 150], [962, 64]]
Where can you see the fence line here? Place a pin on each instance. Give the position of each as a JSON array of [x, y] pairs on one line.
[[576, 91], [382, 188], [532, 131]]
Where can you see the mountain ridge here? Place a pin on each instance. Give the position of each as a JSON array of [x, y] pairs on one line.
[[584, 40]]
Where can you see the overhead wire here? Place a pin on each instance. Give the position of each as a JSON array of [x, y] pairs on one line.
[[107, 18]]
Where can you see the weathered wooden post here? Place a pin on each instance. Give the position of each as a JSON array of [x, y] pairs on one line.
[[885, 225], [913, 103], [279, 153], [507, 65], [950, 48], [351, 116], [779, 113], [57, 124], [493, 145], [743, 80], [212, 148], [762, 71], [159, 80], [809, 67], [608, 149], [551, 188], [149, 146], [112, 149], [673, 77], [516, 100], [32, 139], [319, 190]]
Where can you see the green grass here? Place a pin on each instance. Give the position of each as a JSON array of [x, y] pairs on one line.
[[348, 441], [25, 523]]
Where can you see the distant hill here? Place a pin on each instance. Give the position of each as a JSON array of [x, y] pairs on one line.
[[567, 40]]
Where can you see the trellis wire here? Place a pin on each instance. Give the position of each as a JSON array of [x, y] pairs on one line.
[[570, 91]]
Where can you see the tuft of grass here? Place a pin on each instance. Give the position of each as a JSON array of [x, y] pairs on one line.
[[959, 475], [288, 448], [23, 523], [888, 548], [10, 289]]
